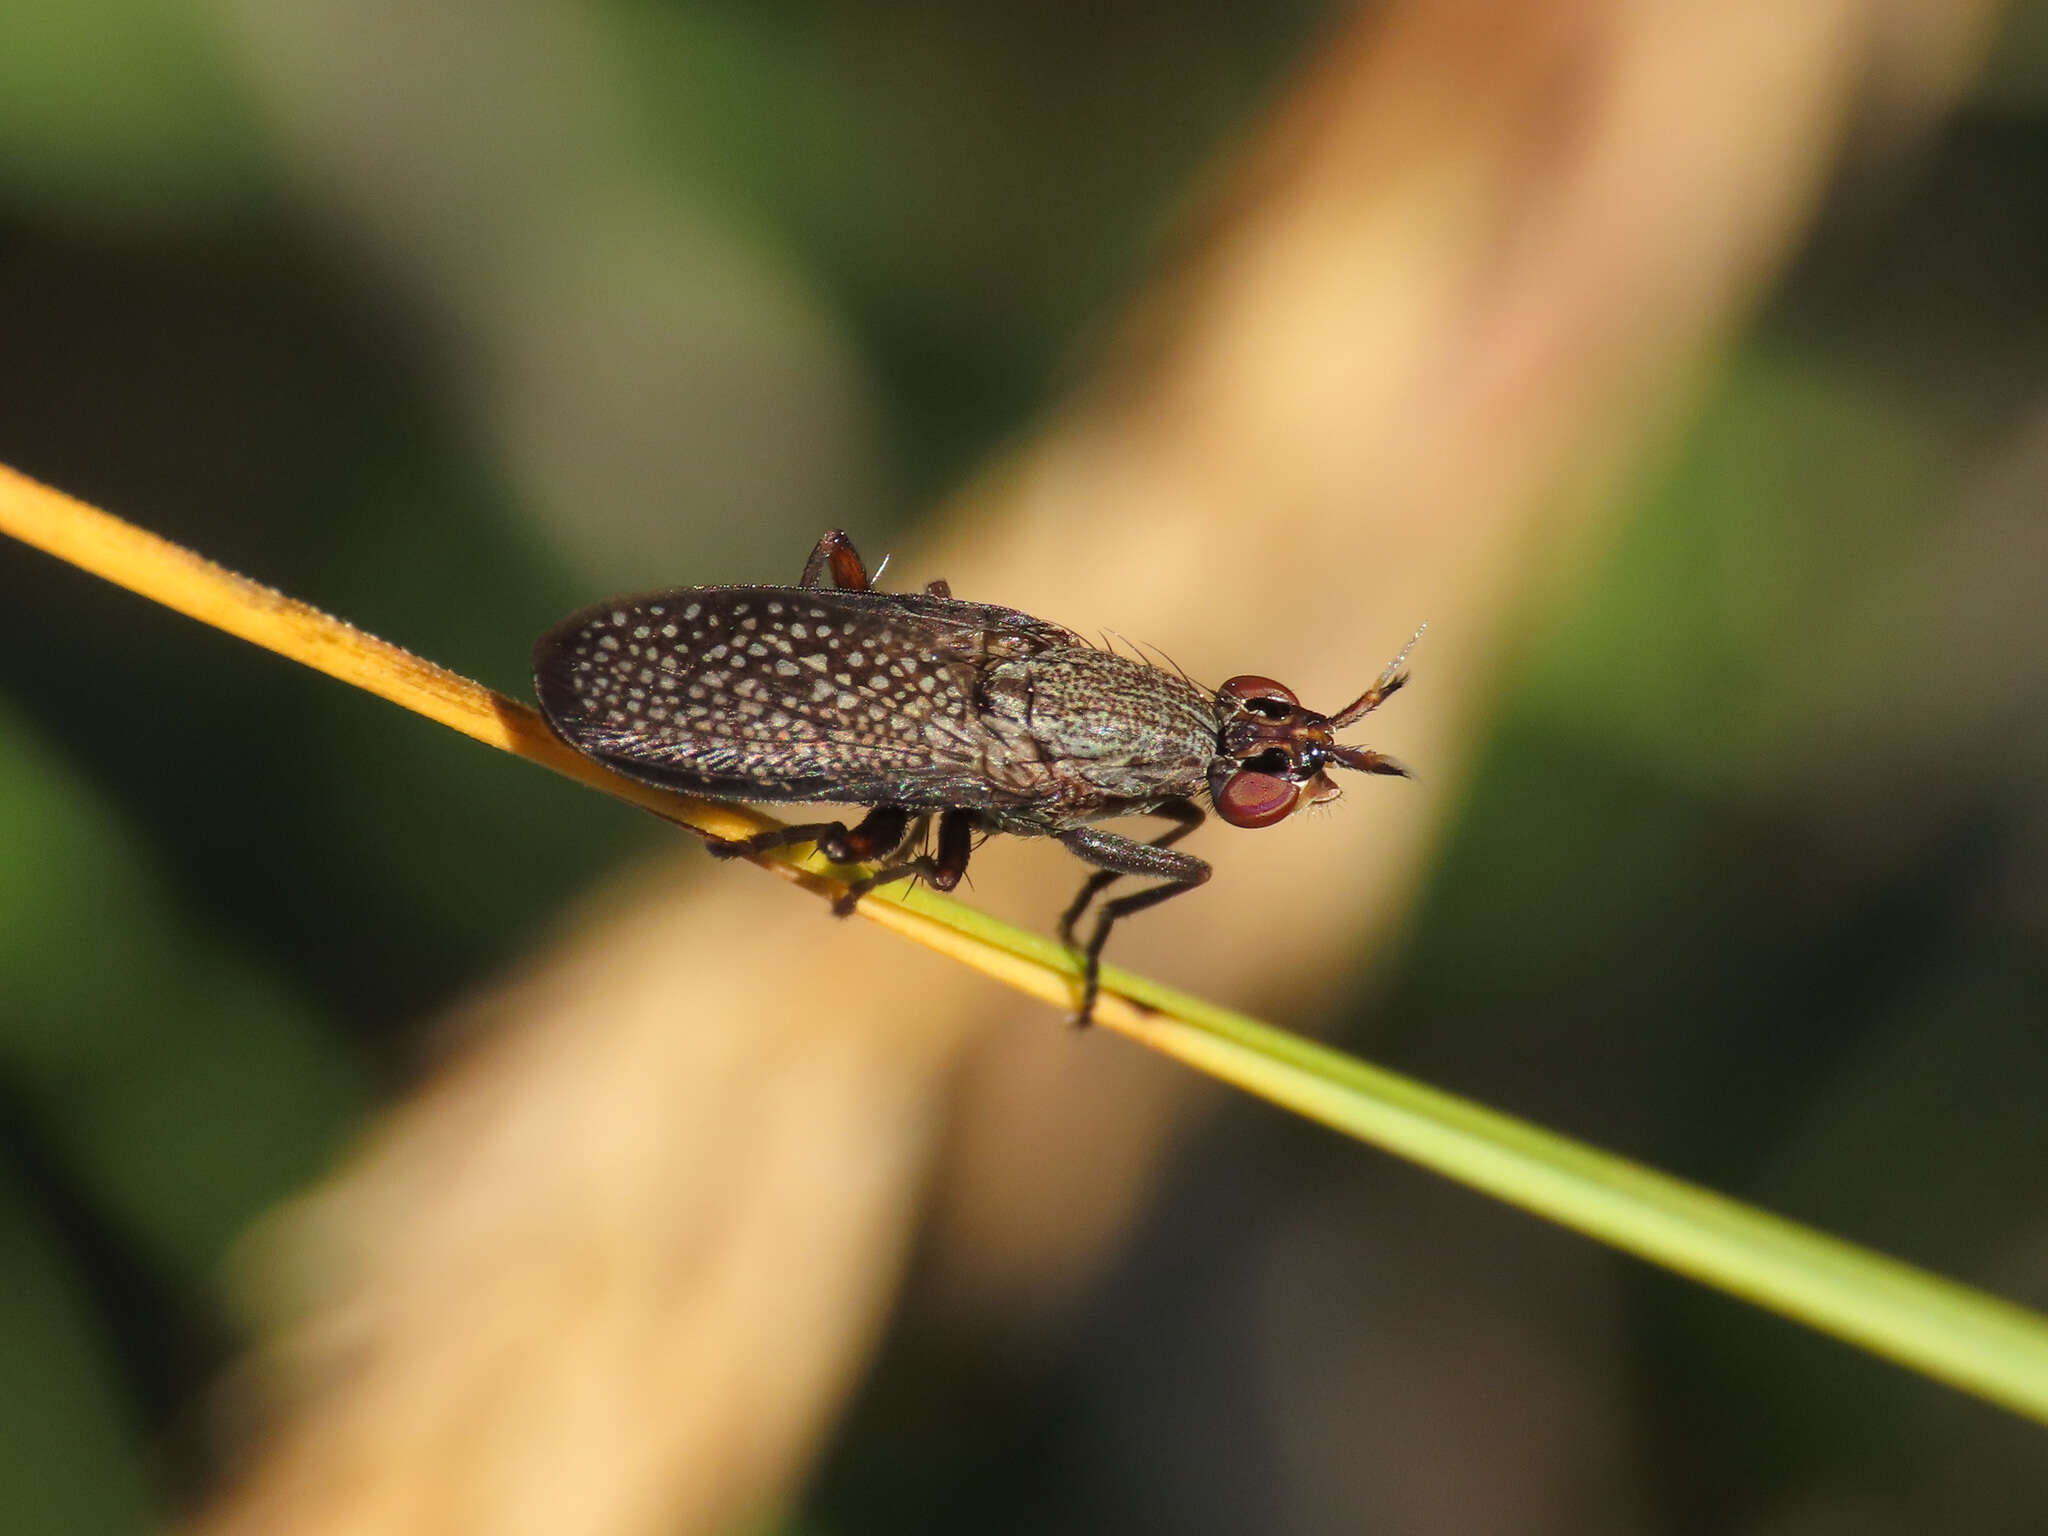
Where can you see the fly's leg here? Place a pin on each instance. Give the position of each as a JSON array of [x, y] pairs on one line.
[[1115, 856], [1184, 813], [881, 832], [849, 572], [836, 550], [943, 869]]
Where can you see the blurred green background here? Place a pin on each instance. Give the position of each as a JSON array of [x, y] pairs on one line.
[[1733, 891]]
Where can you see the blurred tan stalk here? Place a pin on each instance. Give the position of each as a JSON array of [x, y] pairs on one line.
[[616, 1266]]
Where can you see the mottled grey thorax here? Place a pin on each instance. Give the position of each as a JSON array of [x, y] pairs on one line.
[[1104, 734]]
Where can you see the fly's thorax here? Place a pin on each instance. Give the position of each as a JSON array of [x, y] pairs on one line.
[[1108, 726]]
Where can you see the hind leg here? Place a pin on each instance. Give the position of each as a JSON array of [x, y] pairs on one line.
[[836, 550]]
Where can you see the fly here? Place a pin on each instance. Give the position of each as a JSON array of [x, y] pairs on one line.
[[923, 707]]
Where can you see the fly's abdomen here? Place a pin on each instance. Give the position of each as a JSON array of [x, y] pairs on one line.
[[778, 693]]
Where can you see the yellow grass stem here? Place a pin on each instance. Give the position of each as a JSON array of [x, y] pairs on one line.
[[1971, 1340]]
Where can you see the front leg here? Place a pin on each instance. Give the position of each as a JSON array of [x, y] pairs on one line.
[[1186, 816], [1116, 856]]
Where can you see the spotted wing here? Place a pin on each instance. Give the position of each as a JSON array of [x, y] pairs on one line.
[[783, 693]]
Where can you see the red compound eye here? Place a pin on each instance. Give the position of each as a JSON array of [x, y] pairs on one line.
[[1248, 799], [1261, 695]]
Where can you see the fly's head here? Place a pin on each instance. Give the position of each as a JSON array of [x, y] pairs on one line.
[[1274, 755]]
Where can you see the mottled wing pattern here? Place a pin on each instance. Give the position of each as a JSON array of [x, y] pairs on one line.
[[786, 693]]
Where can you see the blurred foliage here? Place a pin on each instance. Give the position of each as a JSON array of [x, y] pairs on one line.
[[232, 892], [976, 189], [122, 111], [1728, 892]]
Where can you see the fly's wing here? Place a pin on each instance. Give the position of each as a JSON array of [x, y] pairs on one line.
[[787, 693]]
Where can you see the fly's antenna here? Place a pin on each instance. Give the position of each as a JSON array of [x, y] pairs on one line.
[[1390, 680], [1399, 661]]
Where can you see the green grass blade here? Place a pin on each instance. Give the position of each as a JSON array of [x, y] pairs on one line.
[[1971, 1340], [1967, 1338]]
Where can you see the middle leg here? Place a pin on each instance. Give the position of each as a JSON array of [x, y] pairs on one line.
[[943, 869], [880, 833]]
